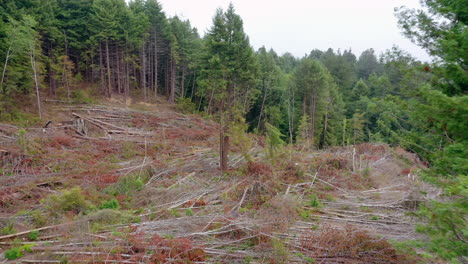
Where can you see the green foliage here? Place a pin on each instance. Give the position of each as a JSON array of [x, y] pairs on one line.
[[314, 201], [13, 253], [17, 252], [8, 229], [38, 217], [129, 184], [239, 136], [81, 97], [106, 217], [441, 29], [305, 214], [10, 112], [33, 235], [360, 89], [72, 200], [446, 226], [110, 204], [273, 139], [189, 212], [303, 132], [280, 252], [128, 150], [185, 105]]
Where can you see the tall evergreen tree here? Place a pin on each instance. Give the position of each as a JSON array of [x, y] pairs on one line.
[[228, 72]]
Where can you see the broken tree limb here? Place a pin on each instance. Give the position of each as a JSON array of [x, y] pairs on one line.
[[33, 230]]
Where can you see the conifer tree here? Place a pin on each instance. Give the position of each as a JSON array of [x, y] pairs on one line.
[[228, 72]]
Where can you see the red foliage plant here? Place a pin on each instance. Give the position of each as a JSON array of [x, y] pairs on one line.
[[259, 169], [350, 245], [371, 148], [195, 203], [161, 250], [405, 171], [108, 178], [63, 140]]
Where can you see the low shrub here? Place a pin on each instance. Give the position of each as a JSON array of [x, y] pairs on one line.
[[128, 184], [350, 244], [72, 200], [314, 201], [81, 97], [18, 252], [109, 217], [33, 235], [110, 204], [185, 105], [8, 229]]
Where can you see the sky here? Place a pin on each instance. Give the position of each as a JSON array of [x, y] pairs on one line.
[[299, 26]]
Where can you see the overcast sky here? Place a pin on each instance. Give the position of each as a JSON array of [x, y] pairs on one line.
[[298, 26]]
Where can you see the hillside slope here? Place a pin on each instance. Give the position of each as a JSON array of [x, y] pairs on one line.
[[141, 184]]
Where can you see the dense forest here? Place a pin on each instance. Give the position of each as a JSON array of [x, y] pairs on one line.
[[80, 51]]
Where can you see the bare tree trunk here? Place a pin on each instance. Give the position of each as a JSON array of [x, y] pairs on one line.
[[109, 85], [127, 74], [182, 83], [324, 134], [143, 73], [52, 87], [210, 101], [344, 132], [312, 115], [304, 106], [119, 79], [101, 68], [8, 56], [291, 115], [155, 65], [36, 81], [150, 63], [65, 76], [223, 141], [173, 81], [65, 70], [193, 87], [263, 105], [166, 79]]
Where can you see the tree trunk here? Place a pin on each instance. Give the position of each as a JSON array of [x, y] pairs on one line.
[[50, 54], [313, 99], [127, 73], [223, 141], [150, 70], [193, 87], [36, 81], [210, 101], [324, 134], [182, 83], [119, 79], [109, 85], [143, 72], [173, 81], [304, 106], [4, 67], [263, 105], [101, 68], [166, 79], [344, 132], [65, 77], [155, 66]]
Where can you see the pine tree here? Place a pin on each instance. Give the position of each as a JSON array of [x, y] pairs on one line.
[[229, 69]]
